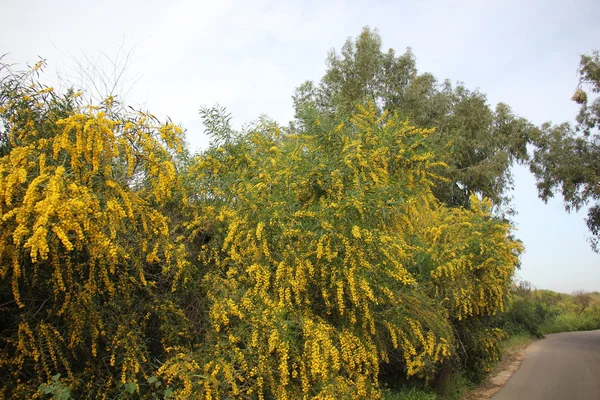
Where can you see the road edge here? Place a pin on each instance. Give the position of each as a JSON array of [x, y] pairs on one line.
[[511, 361]]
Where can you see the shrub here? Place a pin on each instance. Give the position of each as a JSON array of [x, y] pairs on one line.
[[84, 236]]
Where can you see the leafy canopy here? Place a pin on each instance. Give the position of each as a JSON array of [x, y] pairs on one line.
[[310, 262], [477, 143], [567, 159], [331, 259]]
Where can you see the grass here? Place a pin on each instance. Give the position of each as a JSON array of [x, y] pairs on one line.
[[454, 387], [409, 394], [570, 322], [516, 341]]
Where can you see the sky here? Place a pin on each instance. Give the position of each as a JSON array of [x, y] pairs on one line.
[[249, 56]]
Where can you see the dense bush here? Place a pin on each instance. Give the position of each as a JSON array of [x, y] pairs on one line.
[[331, 259], [87, 252], [347, 253], [275, 264], [537, 312]]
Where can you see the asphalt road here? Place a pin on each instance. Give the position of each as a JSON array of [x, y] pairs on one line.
[[564, 366]]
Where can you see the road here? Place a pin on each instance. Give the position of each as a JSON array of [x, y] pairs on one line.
[[564, 366]]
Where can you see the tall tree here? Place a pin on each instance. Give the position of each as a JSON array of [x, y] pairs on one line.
[[479, 143], [567, 158]]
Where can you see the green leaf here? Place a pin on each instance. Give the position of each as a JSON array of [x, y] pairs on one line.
[[62, 394], [45, 389], [130, 387]]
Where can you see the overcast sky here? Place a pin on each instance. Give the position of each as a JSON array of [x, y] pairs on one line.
[[250, 55]]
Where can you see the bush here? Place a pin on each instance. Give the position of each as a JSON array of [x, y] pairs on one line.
[[525, 315], [537, 312], [570, 322], [273, 265], [88, 257]]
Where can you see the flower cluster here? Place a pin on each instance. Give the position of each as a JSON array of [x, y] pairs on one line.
[[81, 225], [315, 284]]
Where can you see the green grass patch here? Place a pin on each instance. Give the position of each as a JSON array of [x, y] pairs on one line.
[[409, 394], [515, 341], [570, 322], [455, 387]]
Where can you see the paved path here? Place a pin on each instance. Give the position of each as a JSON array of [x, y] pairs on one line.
[[564, 366]]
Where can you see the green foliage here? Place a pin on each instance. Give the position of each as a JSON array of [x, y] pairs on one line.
[[567, 159], [478, 143], [589, 77], [525, 315], [480, 346], [331, 261], [528, 309], [572, 322], [516, 341], [56, 389], [408, 394], [130, 387], [308, 279], [88, 256], [572, 316], [314, 262], [537, 312]]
